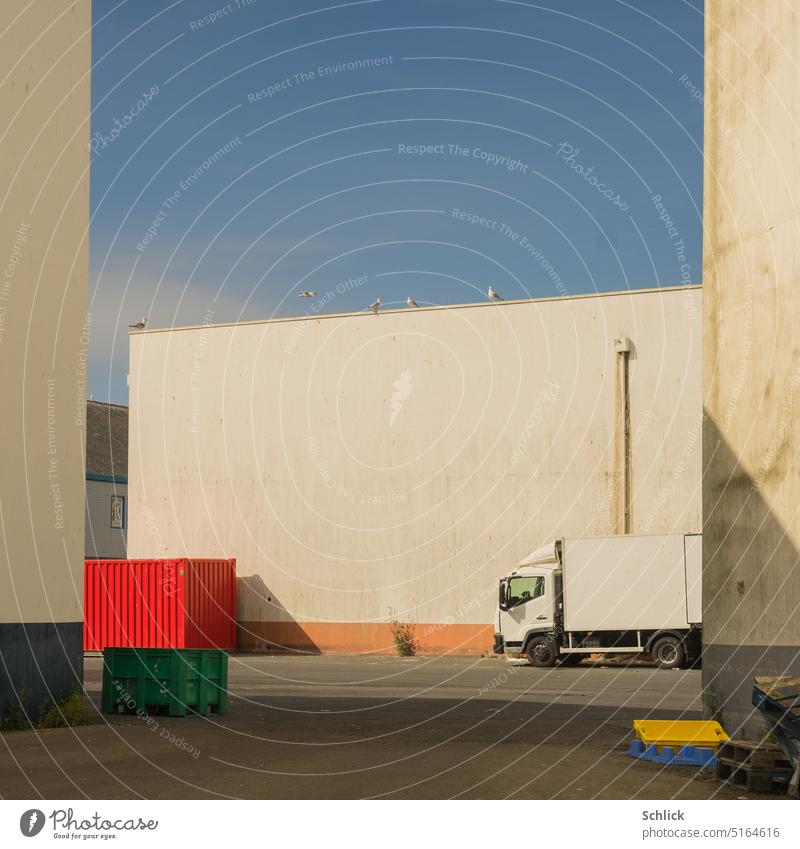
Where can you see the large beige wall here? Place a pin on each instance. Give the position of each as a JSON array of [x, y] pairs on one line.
[[45, 55], [751, 279], [276, 443]]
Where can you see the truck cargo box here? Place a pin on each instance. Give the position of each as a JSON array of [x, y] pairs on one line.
[[632, 582]]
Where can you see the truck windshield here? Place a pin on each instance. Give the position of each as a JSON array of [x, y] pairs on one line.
[[521, 590]]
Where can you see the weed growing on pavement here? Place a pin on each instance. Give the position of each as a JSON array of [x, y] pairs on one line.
[[16, 719], [72, 710], [69, 711], [403, 635], [712, 706]]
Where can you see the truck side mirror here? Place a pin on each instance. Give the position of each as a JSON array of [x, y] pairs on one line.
[[501, 602]]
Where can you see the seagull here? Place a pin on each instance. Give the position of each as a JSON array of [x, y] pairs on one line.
[[410, 302], [493, 296], [308, 294], [139, 325], [375, 305]]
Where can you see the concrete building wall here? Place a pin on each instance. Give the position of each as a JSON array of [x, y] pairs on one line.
[[105, 539], [751, 276], [45, 55], [361, 464]]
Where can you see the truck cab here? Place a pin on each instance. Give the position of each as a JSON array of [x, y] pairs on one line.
[[526, 605]]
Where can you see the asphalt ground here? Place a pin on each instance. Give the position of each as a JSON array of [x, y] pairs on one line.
[[376, 727]]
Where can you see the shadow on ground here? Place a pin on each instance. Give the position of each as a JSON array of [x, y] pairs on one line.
[[333, 747]]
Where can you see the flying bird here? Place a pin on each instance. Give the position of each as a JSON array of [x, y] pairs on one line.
[[308, 294], [375, 305], [410, 302], [492, 295], [139, 325]]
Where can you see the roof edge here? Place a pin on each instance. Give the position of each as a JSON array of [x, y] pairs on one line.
[[107, 403], [405, 310]]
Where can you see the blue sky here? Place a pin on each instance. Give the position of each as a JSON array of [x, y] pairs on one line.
[[245, 151]]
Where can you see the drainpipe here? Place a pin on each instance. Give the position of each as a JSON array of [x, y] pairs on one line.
[[622, 346]]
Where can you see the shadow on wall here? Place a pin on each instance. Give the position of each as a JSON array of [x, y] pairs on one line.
[[751, 586], [264, 625]]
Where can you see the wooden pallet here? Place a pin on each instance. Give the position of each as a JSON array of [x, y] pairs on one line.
[[758, 756], [751, 779]]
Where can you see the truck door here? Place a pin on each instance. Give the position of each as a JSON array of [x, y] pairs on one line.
[[693, 553], [528, 605]]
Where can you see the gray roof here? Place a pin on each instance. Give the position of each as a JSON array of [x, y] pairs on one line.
[[106, 439]]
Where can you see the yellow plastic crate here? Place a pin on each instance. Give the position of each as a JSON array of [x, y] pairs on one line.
[[679, 732]]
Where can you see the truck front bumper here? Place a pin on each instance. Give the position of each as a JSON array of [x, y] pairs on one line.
[[499, 645]]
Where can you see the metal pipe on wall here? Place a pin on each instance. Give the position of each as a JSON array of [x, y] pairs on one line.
[[622, 346]]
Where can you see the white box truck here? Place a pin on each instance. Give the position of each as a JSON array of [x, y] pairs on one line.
[[629, 593]]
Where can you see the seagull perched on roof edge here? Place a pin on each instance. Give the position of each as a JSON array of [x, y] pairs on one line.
[[139, 325], [308, 294], [375, 305], [492, 295], [410, 302]]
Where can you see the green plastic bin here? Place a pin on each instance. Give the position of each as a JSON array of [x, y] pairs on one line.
[[175, 681]]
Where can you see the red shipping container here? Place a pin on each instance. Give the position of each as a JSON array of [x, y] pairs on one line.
[[181, 604]]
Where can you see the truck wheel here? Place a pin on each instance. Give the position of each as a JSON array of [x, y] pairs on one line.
[[668, 652], [540, 652]]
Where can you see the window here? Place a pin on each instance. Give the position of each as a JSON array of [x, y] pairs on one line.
[[521, 590], [118, 516]]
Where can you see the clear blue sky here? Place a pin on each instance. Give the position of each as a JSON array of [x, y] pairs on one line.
[[229, 172]]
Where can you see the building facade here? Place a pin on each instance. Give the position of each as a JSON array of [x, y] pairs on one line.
[[751, 277], [367, 468], [45, 59], [106, 480]]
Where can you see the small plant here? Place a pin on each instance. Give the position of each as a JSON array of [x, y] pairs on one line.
[[403, 635], [765, 735], [712, 706], [72, 710], [16, 718]]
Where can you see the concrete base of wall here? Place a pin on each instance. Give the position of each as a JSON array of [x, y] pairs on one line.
[[360, 637], [39, 661], [730, 670]]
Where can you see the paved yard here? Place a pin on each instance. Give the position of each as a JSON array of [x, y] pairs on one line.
[[343, 727]]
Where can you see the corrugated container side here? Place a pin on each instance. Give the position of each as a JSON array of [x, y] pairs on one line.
[[211, 603], [159, 604]]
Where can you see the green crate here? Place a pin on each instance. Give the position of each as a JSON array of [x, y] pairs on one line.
[[175, 681]]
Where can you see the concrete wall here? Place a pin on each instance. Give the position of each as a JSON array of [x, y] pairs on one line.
[[355, 464], [45, 55], [751, 276], [102, 540]]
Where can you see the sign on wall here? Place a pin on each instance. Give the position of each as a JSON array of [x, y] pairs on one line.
[[118, 511]]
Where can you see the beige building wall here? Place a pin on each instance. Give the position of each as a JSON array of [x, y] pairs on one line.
[[751, 277], [361, 467], [45, 56]]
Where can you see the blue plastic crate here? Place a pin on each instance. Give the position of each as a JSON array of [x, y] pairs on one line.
[[699, 756]]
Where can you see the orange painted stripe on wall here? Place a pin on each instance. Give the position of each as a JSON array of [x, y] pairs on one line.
[[358, 637]]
